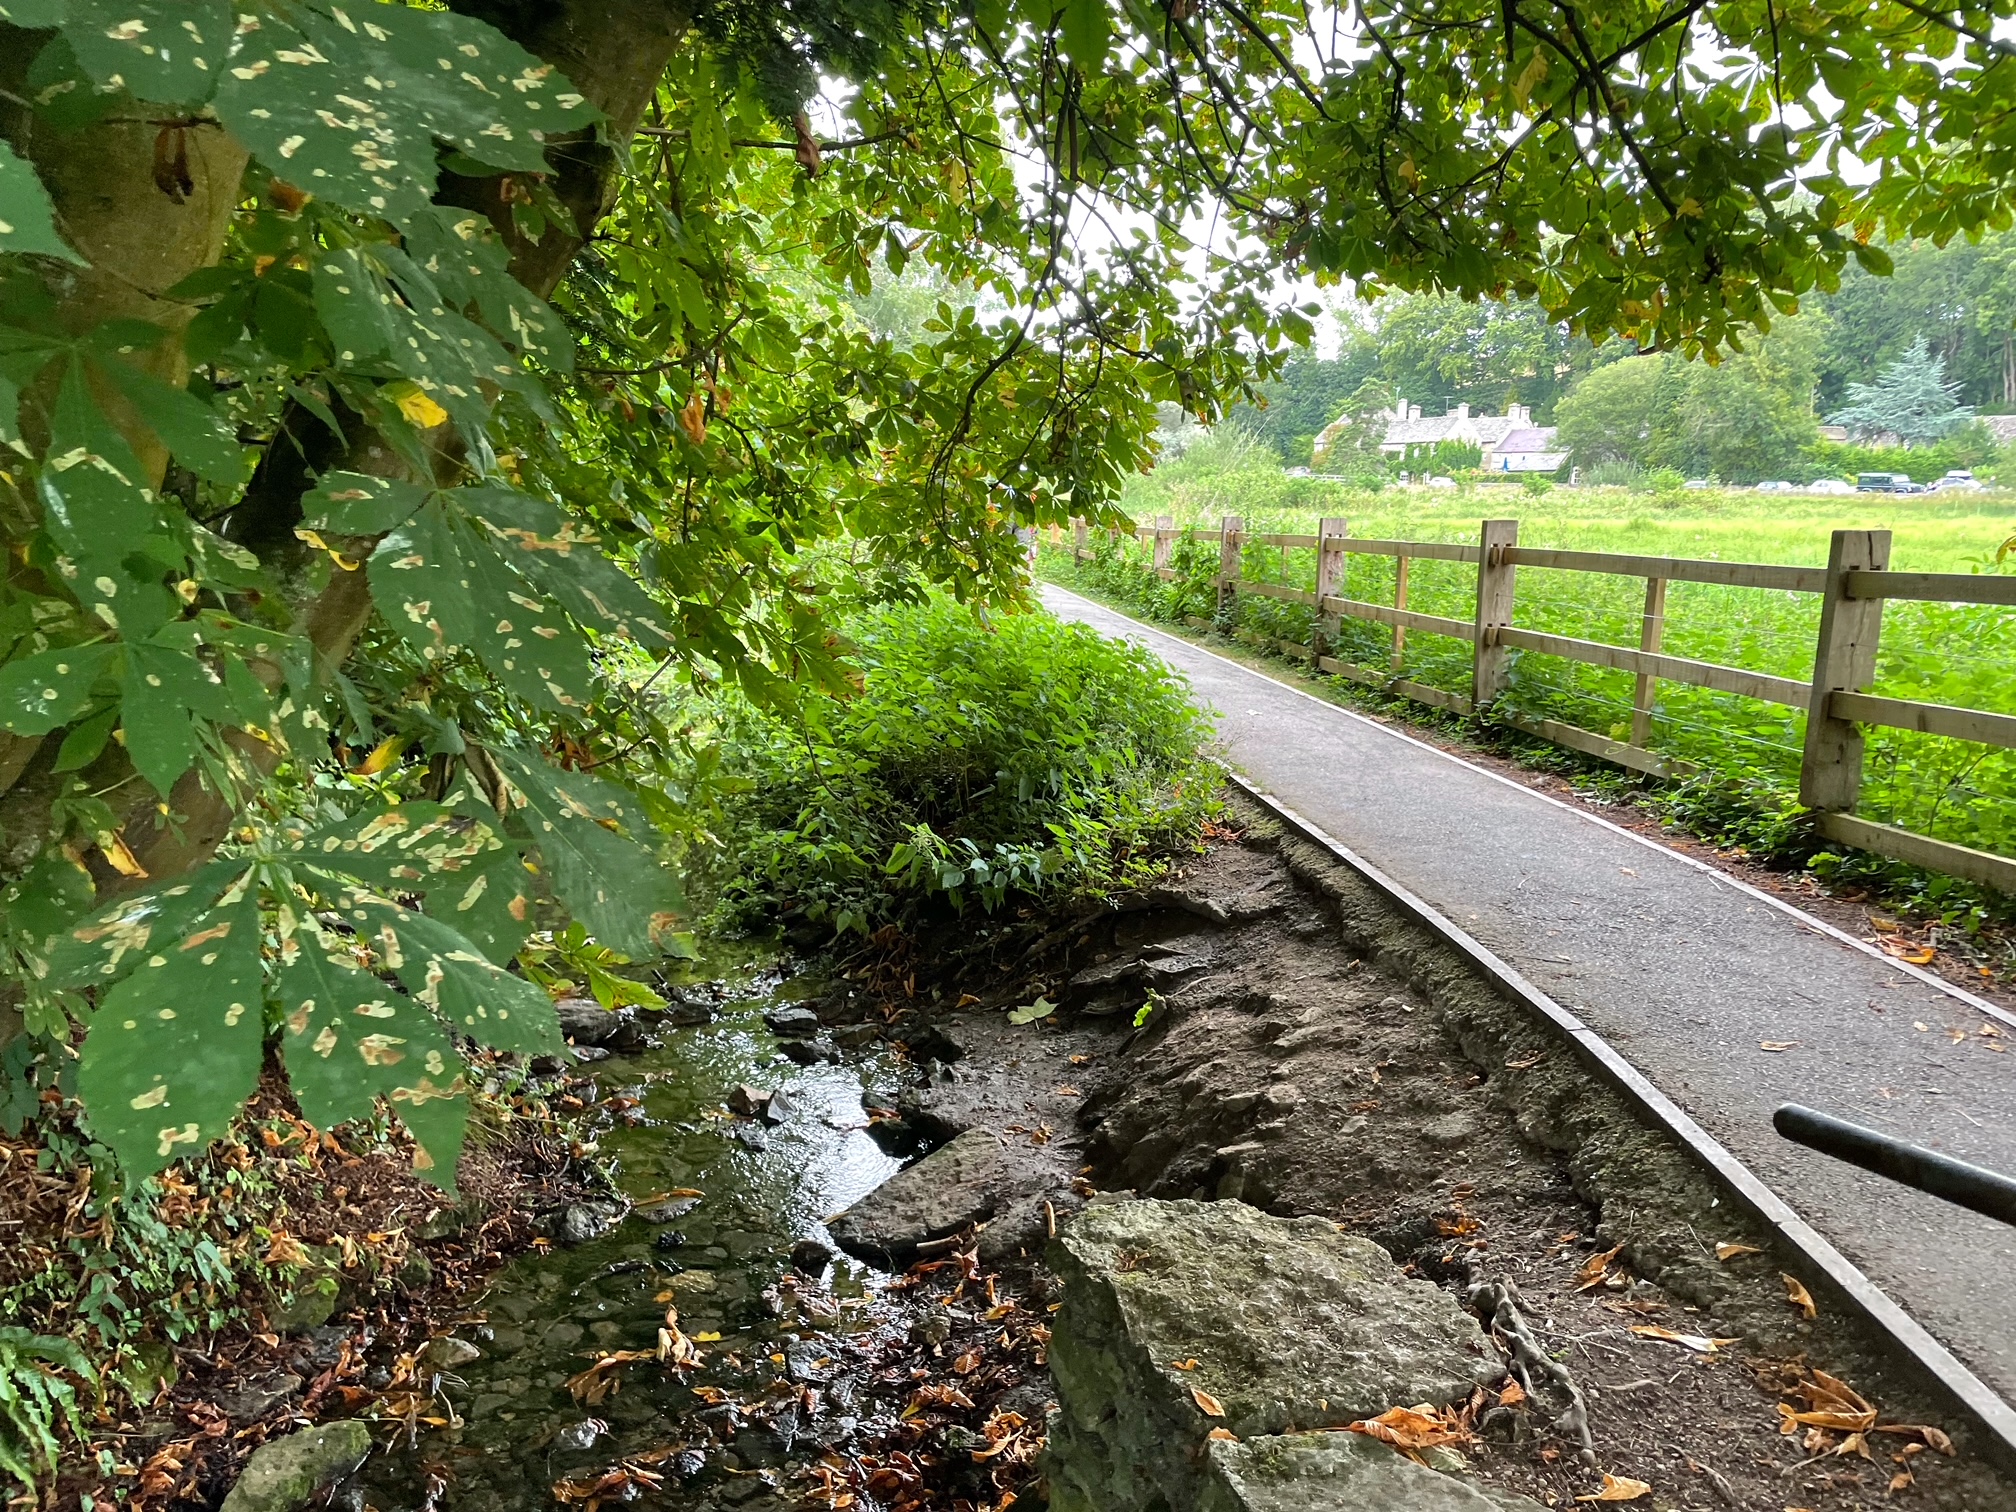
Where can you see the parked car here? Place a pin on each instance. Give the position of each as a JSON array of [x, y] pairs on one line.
[[1886, 482], [1830, 486], [1964, 482], [1698, 483], [1774, 487]]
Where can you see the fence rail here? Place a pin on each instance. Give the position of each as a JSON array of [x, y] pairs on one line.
[[1852, 588]]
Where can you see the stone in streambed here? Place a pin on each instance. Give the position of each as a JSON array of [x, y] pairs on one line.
[[288, 1473], [1293, 1326], [1306, 1471], [961, 1183]]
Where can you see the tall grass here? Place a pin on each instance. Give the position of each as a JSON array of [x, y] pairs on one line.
[[1951, 654]]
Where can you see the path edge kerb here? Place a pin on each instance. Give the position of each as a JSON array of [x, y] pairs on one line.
[[1995, 1418]]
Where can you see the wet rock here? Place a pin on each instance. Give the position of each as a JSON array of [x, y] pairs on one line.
[[578, 1438], [671, 1239], [447, 1353], [290, 1472], [964, 1182], [792, 1021], [586, 1022], [778, 1108], [1345, 1471], [809, 1052], [588, 1054], [1293, 1324], [689, 1015], [668, 1210], [856, 1036], [580, 1222], [256, 1398], [938, 1042], [754, 1136], [307, 1304], [809, 1257], [747, 1101]]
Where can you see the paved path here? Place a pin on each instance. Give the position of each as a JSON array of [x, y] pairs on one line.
[[1683, 969]]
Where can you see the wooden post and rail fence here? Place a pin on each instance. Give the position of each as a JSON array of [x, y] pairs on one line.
[[1853, 588]]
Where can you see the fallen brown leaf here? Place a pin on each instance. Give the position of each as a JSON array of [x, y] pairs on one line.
[[1411, 1430], [1910, 954], [1700, 1343], [1934, 1438], [1727, 1252], [1206, 1403], [1799, 1297], [1594, 1268], [1223, 1435], [1618, 1488], [1512, 1395], [1778, 1044]]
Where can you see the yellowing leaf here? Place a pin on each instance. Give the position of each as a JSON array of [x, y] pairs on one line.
[[383, 755], [1909, 953], [1699, 1343], [1413, 1429], [1799, 1297], [1206, 1403], [1618, 1488], [1728, 1252], [417, 407], [123, 860], [1778, 1044]]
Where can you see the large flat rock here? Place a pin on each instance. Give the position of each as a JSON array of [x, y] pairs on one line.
[[964, 1182], [1286, 1324], [1338, 1472]]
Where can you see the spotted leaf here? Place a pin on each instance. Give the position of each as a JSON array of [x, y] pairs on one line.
[[39, 693], [169, 52], [421, 586], [175, 1048], [565, 559], [104, 947], [350, 1038], [583, 826], [347, 503]]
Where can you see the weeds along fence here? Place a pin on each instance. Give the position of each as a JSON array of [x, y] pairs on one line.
[[1460, 627]]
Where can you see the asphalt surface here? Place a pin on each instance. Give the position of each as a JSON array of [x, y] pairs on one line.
[[1686, 971]]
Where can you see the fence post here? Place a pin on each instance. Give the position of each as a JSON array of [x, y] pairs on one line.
[[1494, 609], [1232, 532], [1400, 566], [1078, 533], [1844, 661], [1651, 635], [1329, 580], [1165, 543]]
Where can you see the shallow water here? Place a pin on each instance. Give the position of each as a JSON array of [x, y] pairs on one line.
[[510, 1427]]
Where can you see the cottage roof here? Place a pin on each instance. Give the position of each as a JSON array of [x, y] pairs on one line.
[[1532, 438]]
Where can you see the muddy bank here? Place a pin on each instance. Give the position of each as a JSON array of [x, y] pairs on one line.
[[1308, 1052]]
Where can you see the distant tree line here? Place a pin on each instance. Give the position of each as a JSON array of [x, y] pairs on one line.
[[1946, 317]]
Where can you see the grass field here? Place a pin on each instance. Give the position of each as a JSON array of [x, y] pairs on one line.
[[1948, 654]]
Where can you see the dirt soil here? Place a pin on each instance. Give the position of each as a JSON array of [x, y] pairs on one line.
[[1309, 1052]]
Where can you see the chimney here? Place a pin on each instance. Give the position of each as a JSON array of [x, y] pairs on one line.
[[1413, 412], [1462, 412]]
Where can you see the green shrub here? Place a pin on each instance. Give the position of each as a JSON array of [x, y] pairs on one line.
[[979, 762]]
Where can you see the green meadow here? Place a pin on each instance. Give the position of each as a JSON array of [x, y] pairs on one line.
[[1941, 653]]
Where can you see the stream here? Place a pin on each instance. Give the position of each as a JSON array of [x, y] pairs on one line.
[[732, 1196]]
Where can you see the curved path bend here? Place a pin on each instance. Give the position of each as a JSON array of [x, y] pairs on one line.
[[1687, 972]]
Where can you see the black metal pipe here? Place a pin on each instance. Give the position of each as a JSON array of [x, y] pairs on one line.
[[1968, 1186]]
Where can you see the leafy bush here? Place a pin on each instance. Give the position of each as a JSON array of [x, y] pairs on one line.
[[35, 1400], [979, 762]]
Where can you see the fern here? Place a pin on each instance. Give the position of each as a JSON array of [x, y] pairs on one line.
[[35, 1400]]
